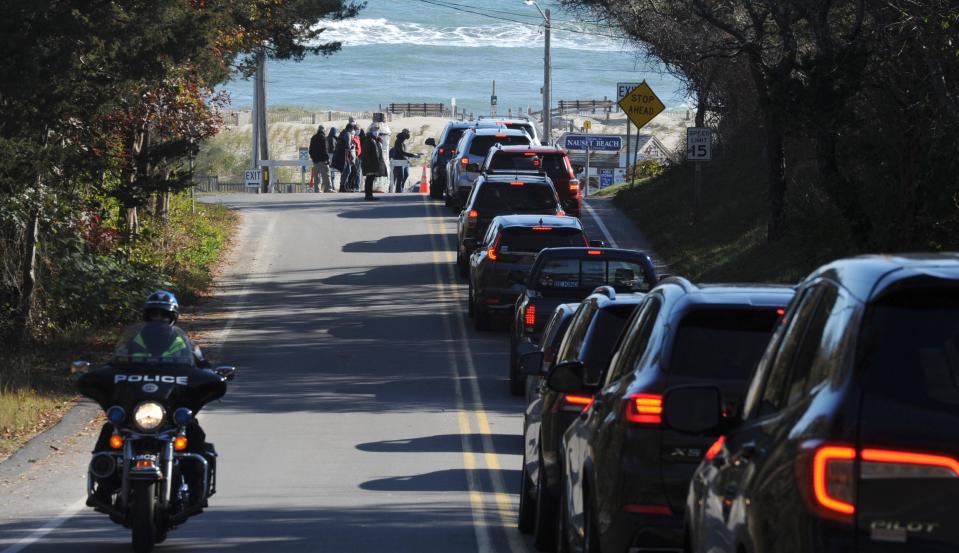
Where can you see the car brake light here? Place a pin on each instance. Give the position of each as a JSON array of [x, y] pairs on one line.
[[882, 463], [833, 479], [714, 449], [575, 402], [542, 228], [501, 136], [529, 154], [491, 252], [560, 213], [780, 312], [517, 183], [594, 252], [442, 151], [647, 509], [464, 161], [645, 409], [473, 214], [573, 185], [530, 315]]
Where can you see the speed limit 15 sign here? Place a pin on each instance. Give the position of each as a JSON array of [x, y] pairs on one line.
[[699, 142]]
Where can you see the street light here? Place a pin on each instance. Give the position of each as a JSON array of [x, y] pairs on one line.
[[547, 68]]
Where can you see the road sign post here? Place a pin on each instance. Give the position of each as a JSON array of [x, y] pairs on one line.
[[305, 156], [605, 178], [622, 90], [699, 147], [640, 106]]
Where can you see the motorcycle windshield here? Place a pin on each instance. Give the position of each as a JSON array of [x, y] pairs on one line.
[[154, 343]]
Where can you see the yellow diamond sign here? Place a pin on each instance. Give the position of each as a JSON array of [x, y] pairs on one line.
[[641, 105]]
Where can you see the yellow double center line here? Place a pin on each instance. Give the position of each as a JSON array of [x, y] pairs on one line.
[[480, 501]]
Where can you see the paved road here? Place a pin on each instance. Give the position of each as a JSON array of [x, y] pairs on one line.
[[367, 415]]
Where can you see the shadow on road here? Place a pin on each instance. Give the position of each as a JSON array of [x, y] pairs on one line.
[[503, 444]]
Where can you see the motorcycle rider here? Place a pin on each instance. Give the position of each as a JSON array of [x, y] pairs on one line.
[[153, 339]]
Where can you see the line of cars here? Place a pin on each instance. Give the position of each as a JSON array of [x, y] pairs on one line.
[[667, 416]]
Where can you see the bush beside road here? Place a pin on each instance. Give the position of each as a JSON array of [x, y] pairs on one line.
[[181, 253]]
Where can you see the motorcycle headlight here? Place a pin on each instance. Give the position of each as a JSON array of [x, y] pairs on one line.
[[148, 415]]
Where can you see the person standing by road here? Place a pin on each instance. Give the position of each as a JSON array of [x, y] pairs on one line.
[[399, 153], [373, 164], [319, 153], [345, 155], [331, 150], [356, 178]]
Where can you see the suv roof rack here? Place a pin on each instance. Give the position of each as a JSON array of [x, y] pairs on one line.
[[525, 117]]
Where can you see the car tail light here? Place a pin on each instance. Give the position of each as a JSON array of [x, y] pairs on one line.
[[833, 476], [501, 136], [574, 185], [529, 316], [714, 449], [594, 252], [471, 218], [880, 464], [517, 183], [833, 479], [575, 403], [464, 161], [645, 409], [491, 253], [647, 509], [442, 151], [542, 228]]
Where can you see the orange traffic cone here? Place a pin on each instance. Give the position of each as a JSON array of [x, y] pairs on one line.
[[424, 184]]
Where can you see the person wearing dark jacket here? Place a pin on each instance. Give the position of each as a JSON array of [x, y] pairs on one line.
[[331, 150], [344, 157], [319, 153], [359, 142], [373, 164], [399, 153]]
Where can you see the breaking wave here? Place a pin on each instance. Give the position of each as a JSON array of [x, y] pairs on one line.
[[360, 32]]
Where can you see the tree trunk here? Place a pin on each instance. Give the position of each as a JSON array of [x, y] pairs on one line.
[[776, 160], [28, 279]]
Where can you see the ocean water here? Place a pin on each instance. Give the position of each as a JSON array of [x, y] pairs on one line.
[[435, 50]]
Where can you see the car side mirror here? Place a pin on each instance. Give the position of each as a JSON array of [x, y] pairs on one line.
[[531, 363], [566, 378], [597, 243], [516, 277], [431, 142], [471, 243], [79, 367], [693, 409], [226, 372]]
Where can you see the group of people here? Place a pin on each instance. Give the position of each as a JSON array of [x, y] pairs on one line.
[[355, 154]]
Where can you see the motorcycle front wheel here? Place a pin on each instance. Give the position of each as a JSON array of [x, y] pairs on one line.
[[144, 517]]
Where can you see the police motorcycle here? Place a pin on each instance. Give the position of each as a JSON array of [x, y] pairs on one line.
[[152, 468]]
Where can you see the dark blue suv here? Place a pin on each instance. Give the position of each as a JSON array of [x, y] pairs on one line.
[[849, 435]]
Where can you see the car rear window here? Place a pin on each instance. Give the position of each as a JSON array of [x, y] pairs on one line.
[[721, 343], [603, 334], [453, 137], [482, 144], [526, 239], [525, 127], [552, 164], [910, 348], [494, 198], [566, 274]]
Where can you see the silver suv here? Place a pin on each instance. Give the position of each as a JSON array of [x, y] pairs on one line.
[[464, 168]]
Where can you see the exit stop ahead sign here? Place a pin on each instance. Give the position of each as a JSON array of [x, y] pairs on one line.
[[641, 105]]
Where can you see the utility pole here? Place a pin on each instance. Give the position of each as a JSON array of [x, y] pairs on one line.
[[492, 101], [547, 75], [261, 108]]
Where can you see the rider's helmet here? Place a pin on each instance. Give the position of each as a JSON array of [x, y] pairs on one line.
[[161, 305]]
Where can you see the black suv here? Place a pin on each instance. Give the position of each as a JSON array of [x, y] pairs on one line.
[[849, 436], [625, 473], [501, 195], [444, 149], [561, 275], [499, 262], [551, 161], [589, 343]]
